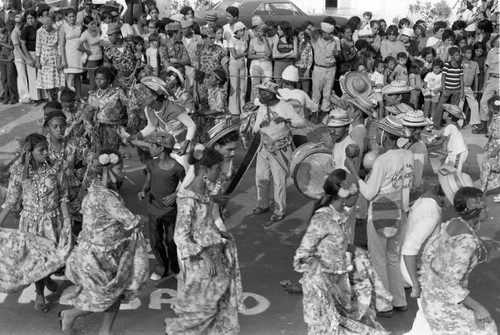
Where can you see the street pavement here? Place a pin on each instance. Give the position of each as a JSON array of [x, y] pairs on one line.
[[265, 257]]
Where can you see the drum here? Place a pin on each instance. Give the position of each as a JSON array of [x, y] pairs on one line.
[[310, 164]]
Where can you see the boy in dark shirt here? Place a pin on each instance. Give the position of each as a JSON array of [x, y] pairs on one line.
[[163, 176]]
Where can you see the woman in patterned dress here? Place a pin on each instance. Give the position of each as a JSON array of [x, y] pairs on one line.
[[109, 108], [48, 59], [447, 261], [209, 298], [43, 191], [121, 56], [490, 167], [335, 301], [69, 35], [70, 153], [105, 266]]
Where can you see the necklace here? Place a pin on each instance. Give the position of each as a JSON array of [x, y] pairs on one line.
[[212, 188], [99, 96]]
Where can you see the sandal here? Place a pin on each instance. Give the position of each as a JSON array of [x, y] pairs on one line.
[[40, 304], [272, 220], [291, 288], [259, 210]]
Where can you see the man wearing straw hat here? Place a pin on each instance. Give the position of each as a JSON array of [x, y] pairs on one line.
[[388, 190], [425, 215], [273, 121], [211, 18], [338, 122], [174, 53], [326, 46]]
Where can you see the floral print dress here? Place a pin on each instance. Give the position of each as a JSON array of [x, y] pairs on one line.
[[490, 166], [447, 262], [106, 264], [205, 305], [336, 302], [41, 245], [123, 61], [47, 48]]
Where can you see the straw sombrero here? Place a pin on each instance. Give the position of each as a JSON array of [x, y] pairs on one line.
[[415, 118], [362, 103], [393, 125], [454, 110], [177, 72], [451, 180], [337, 118], [401, 108], [396, 87], [268, 86], [222, 129], [155, 84], [357, 84]]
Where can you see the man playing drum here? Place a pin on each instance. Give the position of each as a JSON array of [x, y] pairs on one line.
[[273, 121], [338, 122]]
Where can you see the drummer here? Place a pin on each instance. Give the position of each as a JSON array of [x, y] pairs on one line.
[[273, 121], [338, 122]]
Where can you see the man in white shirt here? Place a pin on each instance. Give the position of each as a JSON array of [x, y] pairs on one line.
[[232, 15], [191, 42], [338, 122], [273, 121], [388, 190]]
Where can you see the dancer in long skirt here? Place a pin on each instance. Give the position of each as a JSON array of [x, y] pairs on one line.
[[105, 266], [207, 302], [333, 302], [42, 188]]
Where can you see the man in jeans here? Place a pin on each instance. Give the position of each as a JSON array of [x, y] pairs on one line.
[[452, 84]]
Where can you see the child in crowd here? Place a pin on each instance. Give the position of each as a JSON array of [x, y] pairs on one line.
[[442, 52], [361, 49], [105, 21], [471, 75], [451, 84], [347, 44], [163, 176], [365, 22], [451, 137], [152, 53], [416, 84], [432, 88], [427, 56], [400, 72], [480, 59], [378, 81], [390, 65]]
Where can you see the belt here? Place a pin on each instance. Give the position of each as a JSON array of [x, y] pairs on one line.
[[326, 66], [495, 75]]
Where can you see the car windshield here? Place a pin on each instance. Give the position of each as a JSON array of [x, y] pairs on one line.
[[277, 8]]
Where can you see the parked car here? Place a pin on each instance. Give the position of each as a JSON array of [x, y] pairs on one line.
[[276, 10]]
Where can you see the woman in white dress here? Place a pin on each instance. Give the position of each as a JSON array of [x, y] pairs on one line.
[[69, 36]]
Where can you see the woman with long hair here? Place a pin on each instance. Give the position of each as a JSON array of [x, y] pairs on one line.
[[106, 266], [89, 44], [285, 50], [447, 261], [210, 296], [338, 297], [42, 187], [304, 59], [71, 62]]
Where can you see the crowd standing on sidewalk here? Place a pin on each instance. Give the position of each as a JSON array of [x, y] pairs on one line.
[[177, 91]]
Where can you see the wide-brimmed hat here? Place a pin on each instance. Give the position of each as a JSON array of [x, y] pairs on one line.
[[155, 84], [454, 110], [211, 16], [415, 118], [451, 180], [161, 138], [114, 28], [362, 103], [357, 84], [177, 72], [396, 87], [186, 23], [238, 26], [222, 129], [393, 125], [338, 117], [173, 26], [401, 108], [268, 86]]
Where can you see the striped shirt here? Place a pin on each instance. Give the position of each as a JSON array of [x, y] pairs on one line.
[[452, 76]]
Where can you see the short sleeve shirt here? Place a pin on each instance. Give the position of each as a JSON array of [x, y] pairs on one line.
[[28, 34], [471, 69], [163, 183], [456, 143]]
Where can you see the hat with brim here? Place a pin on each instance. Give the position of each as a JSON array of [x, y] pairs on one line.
[[222, 129], [363, 104], [454, 110], [393, 125], [161, 138], [396, 87], [173, 26], [338, 117], [401, 108], [269, 87], [114, 28], [108, 8], [177, 72], [211, 16], [414, 119], [451, 180], [238, 26], [357, 84], [155, 84], [327, 28]]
